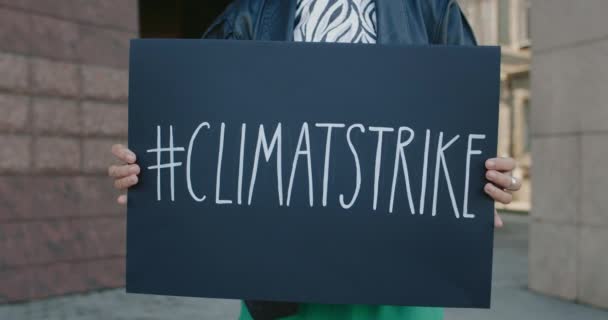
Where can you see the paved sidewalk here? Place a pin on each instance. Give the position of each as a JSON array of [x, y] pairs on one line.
[[510, 299]]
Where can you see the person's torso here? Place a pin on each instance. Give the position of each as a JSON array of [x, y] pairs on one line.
[[411, 22]]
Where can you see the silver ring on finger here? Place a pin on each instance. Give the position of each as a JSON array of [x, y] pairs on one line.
[[513, 186]]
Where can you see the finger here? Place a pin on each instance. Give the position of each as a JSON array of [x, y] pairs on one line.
[[497, 220], [123, 153], [122, 199], [500, 164], [121, 171], [498, 194], [126, 182], [502, 180]]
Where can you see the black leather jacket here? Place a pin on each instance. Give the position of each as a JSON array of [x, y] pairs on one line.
[[410, 22]]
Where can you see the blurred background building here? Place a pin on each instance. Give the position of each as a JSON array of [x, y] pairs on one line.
[[568, 246], [63, 102], [567, 123], [507, 23]]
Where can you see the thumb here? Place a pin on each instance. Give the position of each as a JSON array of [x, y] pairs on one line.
[[122, 199], [497, 220]]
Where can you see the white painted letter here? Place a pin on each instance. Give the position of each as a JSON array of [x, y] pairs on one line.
[[400, 157], [440, 161], [268, 150], [329, 127], [465, 207], [380, 131], [241, 155], [357, 165], [189, 162], [304, 136], [425, 170], [220, 155]]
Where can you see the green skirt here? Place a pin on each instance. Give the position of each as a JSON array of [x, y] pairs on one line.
[[358, 312]]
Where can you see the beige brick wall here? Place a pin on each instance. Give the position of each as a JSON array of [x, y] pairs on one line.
[[63, 103], [569, 233]]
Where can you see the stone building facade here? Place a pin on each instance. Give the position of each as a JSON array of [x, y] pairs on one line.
[[564, 126], [569, 229], [63, 102]]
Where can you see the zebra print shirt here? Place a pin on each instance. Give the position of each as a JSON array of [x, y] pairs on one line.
[[350, 21]]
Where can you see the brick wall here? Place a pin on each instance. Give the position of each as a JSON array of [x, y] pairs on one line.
[[63, 98]]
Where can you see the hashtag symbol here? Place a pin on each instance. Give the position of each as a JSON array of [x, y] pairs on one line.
[[159, 165]]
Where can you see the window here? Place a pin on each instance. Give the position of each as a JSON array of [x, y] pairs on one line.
[[504, 22], [520, 17], [520, 129], [526, 134]]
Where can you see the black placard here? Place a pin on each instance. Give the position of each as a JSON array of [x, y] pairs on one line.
[[322, 173]]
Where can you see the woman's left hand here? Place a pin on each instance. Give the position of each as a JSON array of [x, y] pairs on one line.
[[501, 182]]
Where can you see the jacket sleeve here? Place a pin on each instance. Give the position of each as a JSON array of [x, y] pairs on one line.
[[223, 26], [453, 27]]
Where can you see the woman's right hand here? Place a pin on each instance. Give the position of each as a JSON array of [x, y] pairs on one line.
[[124, 174]]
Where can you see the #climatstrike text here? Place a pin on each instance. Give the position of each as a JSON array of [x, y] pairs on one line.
[[268, 148]]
